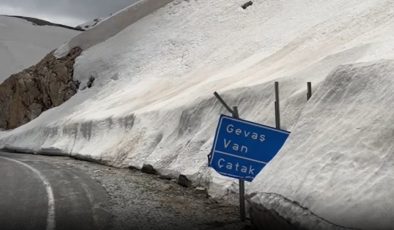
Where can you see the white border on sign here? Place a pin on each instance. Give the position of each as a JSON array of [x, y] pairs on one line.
[[256, 124], [216, 138], [244, 158]]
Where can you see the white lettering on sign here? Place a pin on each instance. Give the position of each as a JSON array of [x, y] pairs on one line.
[[244, 133], [234, 146], [236, 167]]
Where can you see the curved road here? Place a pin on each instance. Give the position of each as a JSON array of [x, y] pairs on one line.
[[37, 195], [47, 192]]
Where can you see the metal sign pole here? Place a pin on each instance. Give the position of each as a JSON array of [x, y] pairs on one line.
[[236, 154], [223, 102], [235, 114], [241, 182], [277, 108], [309, 94]]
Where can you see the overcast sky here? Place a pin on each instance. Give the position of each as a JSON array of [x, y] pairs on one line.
[[68, 12]]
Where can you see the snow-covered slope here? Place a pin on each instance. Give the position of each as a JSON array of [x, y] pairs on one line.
[[152, 102], [23, 44], [112, 25], [339, 160], [90, 24]]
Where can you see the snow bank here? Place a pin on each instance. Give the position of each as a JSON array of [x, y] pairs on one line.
[[339, 160], [23, 44], [152, 102], [111, 26], [91, 24]]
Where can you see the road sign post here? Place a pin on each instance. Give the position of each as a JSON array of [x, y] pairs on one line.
[[241, 184], [242, 210], [242, 148]]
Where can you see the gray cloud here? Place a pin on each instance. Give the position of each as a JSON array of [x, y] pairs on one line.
[[69, 12]]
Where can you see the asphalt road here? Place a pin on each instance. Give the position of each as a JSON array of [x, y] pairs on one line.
[[51, 192], [35, 194]]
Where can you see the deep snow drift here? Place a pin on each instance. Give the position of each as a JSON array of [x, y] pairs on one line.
[[152, 98], [23, 44], [339, 160]]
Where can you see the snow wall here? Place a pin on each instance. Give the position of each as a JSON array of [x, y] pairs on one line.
[[152, 101], [339, 159]]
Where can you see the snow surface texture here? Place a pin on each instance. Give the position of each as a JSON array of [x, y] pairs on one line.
[[23, 44], [152, 102], [341, 150], [110, 26], [91, 24]]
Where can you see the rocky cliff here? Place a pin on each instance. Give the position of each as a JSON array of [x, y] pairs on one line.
[[25, 95]]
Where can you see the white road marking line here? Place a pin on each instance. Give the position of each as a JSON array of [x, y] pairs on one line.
[[51, 223]]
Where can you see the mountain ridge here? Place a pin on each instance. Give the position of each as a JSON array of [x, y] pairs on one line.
[[41, 22]]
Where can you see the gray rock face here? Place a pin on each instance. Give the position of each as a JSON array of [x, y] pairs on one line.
[[184, 181], [147, 168], [25, 95]]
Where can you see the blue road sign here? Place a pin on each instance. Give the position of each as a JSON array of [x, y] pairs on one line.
[[242, 148]]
